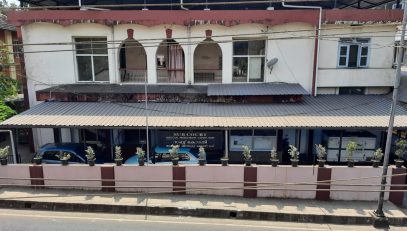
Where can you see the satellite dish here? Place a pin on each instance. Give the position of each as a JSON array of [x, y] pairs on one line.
[[270, 64]]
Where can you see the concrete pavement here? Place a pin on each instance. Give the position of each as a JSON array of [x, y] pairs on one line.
[[329, 212]]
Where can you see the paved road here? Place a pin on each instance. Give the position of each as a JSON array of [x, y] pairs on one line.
[[30, 220]]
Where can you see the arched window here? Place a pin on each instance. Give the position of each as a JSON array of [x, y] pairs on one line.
[[133, 62], [170, 62], [208, 62]]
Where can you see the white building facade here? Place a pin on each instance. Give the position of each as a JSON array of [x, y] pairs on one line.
[[352, 55]]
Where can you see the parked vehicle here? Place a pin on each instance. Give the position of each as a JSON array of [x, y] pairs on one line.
[[161, 156], [50, 151]]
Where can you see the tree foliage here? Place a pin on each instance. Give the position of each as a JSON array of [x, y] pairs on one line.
[[8, 86], [4, 4]]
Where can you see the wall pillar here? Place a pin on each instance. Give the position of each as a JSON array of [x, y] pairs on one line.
[[151, 63], [397, 197], [178, 177], [324, 174], [250, 180], [107, 174], [227, 61], [36, 172]]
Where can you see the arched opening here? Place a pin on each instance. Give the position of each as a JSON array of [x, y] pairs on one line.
[[170, 62], [133, 62], [208, 62]]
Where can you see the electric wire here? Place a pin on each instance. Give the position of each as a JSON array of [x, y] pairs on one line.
[[162, 4]]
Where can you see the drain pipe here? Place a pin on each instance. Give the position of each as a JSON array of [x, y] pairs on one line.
[[182, 5], [317, 41]]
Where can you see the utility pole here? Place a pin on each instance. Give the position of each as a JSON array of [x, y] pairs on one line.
[[380, 220]]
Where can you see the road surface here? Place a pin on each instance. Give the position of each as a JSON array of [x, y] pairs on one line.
[[30, 220]]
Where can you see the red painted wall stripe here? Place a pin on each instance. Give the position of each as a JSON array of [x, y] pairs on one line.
[[192, 17], [324, 174], [178, 174], [250, 175], [397, 197], [107, 173], [36, 171]]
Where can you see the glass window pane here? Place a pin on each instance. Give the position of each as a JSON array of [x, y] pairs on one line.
[[99, 46], [74, 158], [265, 132], [257, 47], [101, 66], [256, 70], [240, 48], [239, 69], [363, 61], [342, 61], [84, 68], [241, 132], [353, 55], [83, 46], [364, 51], [343, 50], [50, 155]]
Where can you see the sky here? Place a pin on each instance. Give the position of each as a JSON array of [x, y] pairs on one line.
[[14, 1]]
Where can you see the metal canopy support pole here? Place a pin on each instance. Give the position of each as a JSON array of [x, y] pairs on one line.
[[226, 144], [146, 108], [380, 220]]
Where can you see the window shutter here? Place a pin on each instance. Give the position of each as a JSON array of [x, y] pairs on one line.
[[363, 55], [343, 55]]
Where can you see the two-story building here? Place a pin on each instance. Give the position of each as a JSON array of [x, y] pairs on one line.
[[213, 78]]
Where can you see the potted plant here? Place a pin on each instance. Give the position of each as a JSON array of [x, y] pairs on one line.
[[4, 155], [401, 145], [246, 155], [118, 155], [140, 155], [224, 160], [321, 152], [202, 156], [274, 157], [377, 157], [37, 159], [174, 154], [350, 149], [90, 155], [64, 158], [294, 153]]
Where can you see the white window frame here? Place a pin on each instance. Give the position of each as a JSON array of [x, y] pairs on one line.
[[251, 56], [395, 54], [355, 41], [91, 59]]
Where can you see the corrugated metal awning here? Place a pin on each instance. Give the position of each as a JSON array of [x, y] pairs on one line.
[[244, 89], [333, 111]]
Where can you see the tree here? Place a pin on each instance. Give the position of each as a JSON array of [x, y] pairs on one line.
[[5, 4], [8, 86]]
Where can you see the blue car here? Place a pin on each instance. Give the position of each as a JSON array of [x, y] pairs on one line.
[[162, 156], [50, 151]]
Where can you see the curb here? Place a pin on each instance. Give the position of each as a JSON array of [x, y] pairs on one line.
[[195, 212]]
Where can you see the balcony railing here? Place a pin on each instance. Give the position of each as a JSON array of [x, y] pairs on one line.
[[207, 76], [133, 75], [170, 76]]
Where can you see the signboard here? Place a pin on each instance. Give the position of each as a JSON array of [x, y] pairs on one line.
[[191, 139]]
